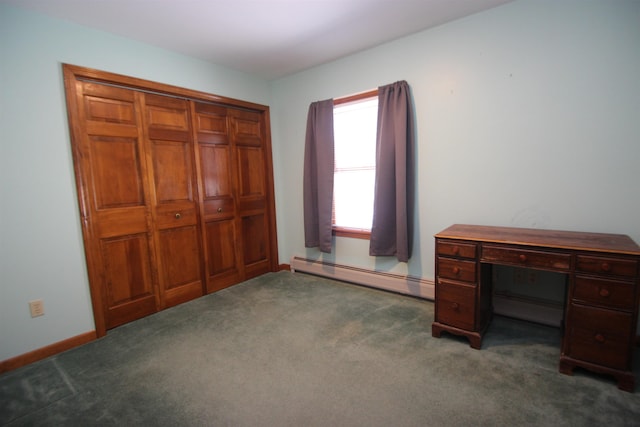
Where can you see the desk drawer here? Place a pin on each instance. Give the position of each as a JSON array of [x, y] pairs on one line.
[[603, 292], [526, 258], [457, 269], [458, 249], [599, 336], [456, 305], [602, 265]]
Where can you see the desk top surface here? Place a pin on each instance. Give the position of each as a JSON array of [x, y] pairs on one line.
[[600, 242]]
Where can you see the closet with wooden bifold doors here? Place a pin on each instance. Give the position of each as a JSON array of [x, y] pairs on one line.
[[175, 189]]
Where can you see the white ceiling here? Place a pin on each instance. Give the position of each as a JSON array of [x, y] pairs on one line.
[[270, 38]]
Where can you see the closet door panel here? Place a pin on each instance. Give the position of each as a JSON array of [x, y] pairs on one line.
[[211, 123], [255, 244], [247, 128], [222, 251], [250, 168], [180, 263], [172, 171], [170, 159], [108, 104], [164, 113], [216, 170], [179, 244], [251, 172], [218, 196], [116, 209], [120, 222], [129, 292], [116, 174], [128, 268]]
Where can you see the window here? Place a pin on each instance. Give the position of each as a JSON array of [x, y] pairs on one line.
[[354, 125]]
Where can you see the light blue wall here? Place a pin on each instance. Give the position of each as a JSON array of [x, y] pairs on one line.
[[41, 253], [527, 115]]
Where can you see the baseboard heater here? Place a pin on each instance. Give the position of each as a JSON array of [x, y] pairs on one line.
[[506, 305], [399, 283], [537, 310]]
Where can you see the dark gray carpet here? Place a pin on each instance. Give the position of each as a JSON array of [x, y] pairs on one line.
[[296, 350]]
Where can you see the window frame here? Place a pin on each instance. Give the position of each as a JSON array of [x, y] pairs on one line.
[[354, 233]]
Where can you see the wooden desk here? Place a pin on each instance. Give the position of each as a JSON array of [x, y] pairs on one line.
[[601, 310]]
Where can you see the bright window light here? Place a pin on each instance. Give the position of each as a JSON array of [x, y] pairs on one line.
[[354, 127]]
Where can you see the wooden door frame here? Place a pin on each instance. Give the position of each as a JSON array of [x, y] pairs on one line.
[[73, 74]]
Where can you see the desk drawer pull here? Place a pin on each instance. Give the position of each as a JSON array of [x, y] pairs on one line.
[[455, 306], [178, 216], [605, 267], [604, 292], [456, 271], [599, 338], [522, 257]]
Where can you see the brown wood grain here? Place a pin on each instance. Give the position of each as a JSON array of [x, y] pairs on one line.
[[175, 188], [603, 276], [600, 242]]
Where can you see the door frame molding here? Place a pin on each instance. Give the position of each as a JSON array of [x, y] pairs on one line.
[[73, 74]]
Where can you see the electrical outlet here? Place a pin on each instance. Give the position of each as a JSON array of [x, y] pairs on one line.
[[36, 307]]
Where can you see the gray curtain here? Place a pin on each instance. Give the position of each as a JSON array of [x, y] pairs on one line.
[[318, 176], [392, 228]]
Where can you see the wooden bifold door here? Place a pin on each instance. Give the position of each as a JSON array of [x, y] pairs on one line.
[[175, 190]]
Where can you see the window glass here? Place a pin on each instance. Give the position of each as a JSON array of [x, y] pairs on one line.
[[355, 163]]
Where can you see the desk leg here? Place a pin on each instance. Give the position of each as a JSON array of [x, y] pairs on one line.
[[475, 338], [626, 380]]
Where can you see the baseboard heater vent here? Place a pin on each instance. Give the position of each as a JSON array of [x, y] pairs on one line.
[[408, 285], [506, 305]]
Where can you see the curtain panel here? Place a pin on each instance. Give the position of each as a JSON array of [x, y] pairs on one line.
[[392, 228], [318, 176]]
